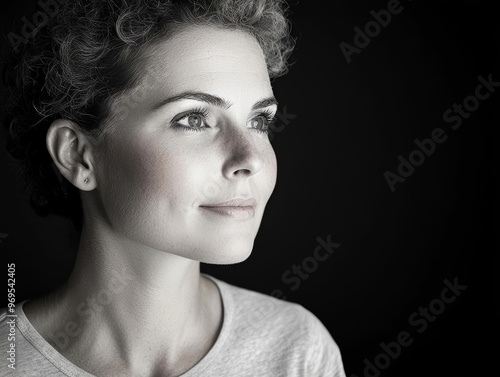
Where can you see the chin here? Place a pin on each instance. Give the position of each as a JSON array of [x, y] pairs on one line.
[[232, 252]]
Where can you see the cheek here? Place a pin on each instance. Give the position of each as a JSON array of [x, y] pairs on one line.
[[144, 180]]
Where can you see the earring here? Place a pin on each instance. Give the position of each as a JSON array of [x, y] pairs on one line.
[[86, 180]]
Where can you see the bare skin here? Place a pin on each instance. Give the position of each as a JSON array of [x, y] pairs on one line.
[[144, 232]]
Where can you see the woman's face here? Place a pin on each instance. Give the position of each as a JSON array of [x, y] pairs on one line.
[[190, 136]]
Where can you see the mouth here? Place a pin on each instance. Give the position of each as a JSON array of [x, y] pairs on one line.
[[241, 209]]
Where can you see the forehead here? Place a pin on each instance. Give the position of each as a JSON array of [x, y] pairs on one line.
[[204, 58]]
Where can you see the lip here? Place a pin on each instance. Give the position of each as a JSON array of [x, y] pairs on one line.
[[237, 202], [241, 209]]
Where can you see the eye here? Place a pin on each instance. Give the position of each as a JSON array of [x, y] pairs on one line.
[[262, 122], [193, 120]]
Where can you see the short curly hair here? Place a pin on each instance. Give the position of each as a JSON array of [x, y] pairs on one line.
[[83, 59]]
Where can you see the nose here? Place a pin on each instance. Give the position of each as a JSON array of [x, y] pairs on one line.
[[244, 157]]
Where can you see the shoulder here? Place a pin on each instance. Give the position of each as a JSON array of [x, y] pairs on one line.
[[259, 310], [292, 332]]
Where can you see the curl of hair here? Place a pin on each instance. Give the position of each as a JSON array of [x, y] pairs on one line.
[[87, 55]]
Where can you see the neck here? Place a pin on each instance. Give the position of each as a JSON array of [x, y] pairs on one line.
[[125, 298]]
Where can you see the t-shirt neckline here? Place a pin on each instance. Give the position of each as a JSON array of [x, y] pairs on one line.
[[72, 370]]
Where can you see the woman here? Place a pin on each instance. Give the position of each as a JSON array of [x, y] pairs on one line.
[[146, 123]]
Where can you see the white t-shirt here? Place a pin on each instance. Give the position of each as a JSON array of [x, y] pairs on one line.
[[260, 336]]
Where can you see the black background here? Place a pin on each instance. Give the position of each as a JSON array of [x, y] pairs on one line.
[[351, 122]]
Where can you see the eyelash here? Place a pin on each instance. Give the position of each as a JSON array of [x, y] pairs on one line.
[[266, 114]]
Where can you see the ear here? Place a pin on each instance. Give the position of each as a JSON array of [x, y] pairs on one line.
[[71, 151]]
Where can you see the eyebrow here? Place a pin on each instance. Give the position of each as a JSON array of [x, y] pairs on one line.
[[212, 100]]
